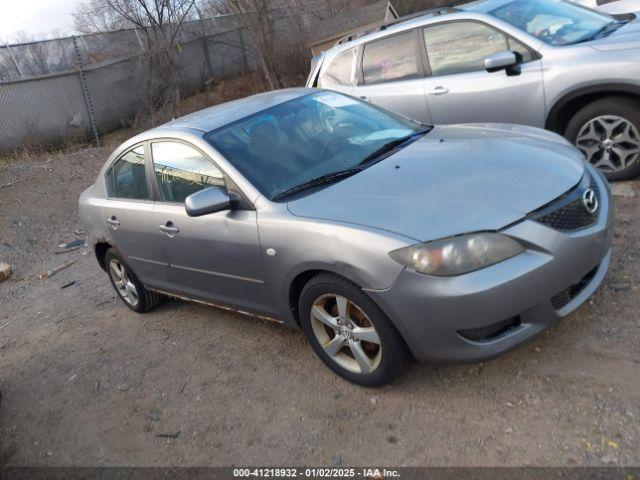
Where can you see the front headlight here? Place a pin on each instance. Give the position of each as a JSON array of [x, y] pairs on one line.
[[458, 255]]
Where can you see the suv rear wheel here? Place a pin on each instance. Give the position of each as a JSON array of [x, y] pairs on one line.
[[608, 133]]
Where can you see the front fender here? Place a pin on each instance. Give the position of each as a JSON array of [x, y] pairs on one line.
[[302, 245]]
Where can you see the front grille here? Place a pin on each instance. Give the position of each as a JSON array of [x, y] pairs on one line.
[[562, 299], [489, 332], [568, 213]]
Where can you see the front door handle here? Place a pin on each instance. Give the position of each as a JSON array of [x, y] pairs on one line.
[[439, 91], [113, 222], [366, 99], [169, 228]]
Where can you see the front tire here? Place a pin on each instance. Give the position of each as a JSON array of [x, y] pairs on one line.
[[349, 332], [608, 133], [129, 289]]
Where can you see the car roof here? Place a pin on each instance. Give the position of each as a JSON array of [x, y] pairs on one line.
[[223, 114]]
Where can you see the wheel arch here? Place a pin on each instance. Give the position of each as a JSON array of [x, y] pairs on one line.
[[302, 277], [100, 249], [570, 103]]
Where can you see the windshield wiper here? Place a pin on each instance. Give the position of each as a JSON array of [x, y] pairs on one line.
[[368, 160], [607, 29], [388, 147], [318, 181]]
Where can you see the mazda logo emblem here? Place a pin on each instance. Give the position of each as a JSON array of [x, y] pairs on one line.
[[590, 201]]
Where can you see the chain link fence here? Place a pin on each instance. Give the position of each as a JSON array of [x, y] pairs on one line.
[[73, 88]]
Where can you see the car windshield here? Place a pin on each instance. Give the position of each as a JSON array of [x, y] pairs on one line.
[[554, 21], [316, 136]]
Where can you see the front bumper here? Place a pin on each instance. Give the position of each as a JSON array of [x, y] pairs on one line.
[[526, 294]]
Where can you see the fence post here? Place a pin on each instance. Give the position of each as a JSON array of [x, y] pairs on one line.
[[15, 62], [205, 49], [85, 92], [243, 48], [135, 30]]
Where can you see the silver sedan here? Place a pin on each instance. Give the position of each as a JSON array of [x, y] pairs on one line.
[[380, 237]]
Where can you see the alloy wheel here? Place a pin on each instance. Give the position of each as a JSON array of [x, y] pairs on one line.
[[346, 334], [609, 142], [124, 286]]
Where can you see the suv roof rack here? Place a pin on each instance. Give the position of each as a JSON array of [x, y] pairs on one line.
[[441, 10]]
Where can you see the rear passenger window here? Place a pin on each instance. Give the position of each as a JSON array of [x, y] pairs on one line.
[[181, 170], [127, 177], [391, 58], [340, 71], [461, 47]]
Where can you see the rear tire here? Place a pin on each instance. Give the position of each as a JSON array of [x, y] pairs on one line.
[[126, 284], [608, 133], [349, 332]]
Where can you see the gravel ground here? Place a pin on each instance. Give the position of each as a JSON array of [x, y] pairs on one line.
[[85, 381]]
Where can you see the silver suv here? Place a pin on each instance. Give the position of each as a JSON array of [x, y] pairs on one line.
[[544, 63]]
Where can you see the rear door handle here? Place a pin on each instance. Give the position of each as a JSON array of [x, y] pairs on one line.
[[113, 222], [439, 91], [169, 228]]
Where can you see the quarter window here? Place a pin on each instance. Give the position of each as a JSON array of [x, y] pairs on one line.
[[461, 47], [391, 58], [340, 71], [181, 170], [525, 53], [127, 177]]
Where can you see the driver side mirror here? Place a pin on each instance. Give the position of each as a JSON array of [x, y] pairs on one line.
[[504, 60], [209, 200]]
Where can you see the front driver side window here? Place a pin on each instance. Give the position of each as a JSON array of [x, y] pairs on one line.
[[127, 178], [461, 47], [182, 170]]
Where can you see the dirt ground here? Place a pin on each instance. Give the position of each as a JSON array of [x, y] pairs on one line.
[[85, 381]]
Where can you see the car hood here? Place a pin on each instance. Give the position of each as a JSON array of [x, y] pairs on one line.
[[456, 179], [626, 37]]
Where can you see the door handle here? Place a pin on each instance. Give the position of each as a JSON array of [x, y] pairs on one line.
[[439, 91], [169, 228], [113, 222], [366, 99]]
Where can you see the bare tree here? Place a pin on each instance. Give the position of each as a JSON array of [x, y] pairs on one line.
[[96, 16], [8, 69], [33, 57], [252, 18], [280, 52], [336, 6], [159, 23]]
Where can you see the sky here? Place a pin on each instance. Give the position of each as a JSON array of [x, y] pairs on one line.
[[38, 18]]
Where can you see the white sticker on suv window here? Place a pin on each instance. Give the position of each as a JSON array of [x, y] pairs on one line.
[[335, 100]]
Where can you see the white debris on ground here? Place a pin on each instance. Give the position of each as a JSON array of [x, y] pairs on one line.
[[5, 271]]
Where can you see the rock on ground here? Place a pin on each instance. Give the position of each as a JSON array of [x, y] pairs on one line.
[[5, 271]]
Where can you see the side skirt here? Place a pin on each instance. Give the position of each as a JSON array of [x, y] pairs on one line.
[[216, 305]]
